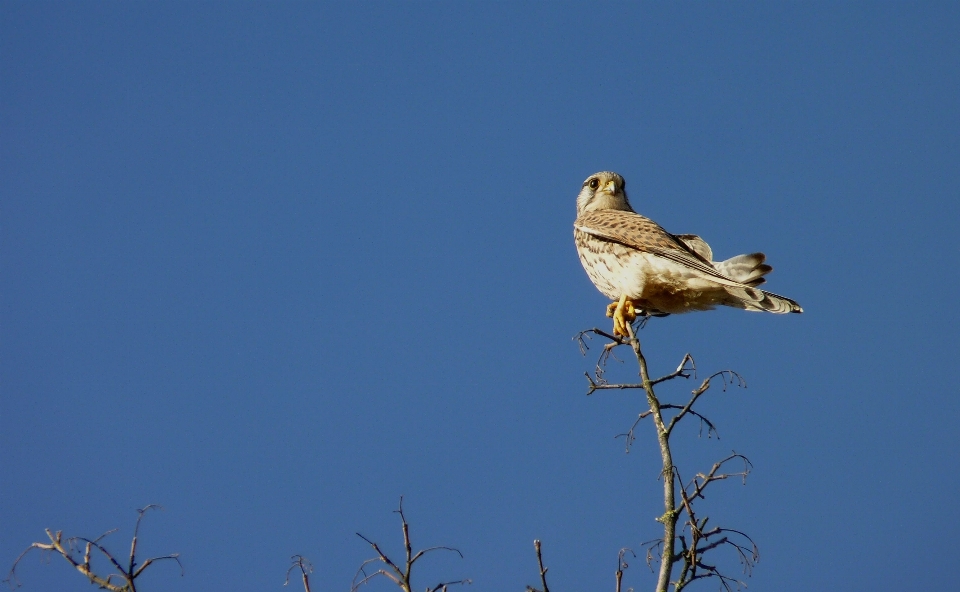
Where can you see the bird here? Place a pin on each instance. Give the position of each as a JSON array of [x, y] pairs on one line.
[[647, 271]]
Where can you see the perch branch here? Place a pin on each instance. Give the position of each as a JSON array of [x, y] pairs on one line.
[[689, 556], [670, 514]]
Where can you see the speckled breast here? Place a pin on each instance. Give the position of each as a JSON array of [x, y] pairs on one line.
[[613, 268]]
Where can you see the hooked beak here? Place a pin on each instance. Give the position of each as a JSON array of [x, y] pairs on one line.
[[611, 187]]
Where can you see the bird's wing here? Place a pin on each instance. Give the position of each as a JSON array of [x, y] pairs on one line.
[[641, 233], [696, 244]]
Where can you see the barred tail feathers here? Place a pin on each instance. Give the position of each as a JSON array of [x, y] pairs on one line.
[[746, 269], [753, 299]]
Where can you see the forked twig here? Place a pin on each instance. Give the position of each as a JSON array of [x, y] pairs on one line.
[[400, 576], [306, 568], [734, 378], [630, 434], [543, 570], [67, 548]]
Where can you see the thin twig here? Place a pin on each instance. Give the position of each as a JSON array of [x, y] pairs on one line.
[[622, 565], [704, 387], [305, 567], [712, 475], [681, 372], [629, 436], [442, 586], [543, 570]]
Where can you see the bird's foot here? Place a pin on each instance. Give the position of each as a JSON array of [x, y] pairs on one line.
[[623, 313]]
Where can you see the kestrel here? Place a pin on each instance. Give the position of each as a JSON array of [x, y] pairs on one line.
[[642, 267]]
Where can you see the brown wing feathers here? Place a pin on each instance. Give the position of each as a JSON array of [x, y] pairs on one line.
[[636, 231]]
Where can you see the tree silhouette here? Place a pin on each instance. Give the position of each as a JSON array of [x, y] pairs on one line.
[[68, 548]]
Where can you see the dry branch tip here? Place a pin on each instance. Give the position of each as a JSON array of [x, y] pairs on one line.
[[67, 548]]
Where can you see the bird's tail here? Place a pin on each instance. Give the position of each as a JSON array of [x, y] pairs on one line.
[[779, 304], [746, 269], [749, 271], [760, 300]]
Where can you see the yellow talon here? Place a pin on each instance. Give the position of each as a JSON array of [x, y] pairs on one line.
[[623, 313]]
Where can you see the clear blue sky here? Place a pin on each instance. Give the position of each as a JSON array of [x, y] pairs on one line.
[[274, 265]]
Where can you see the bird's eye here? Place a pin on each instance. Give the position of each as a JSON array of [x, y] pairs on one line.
[[623, 185], [594, 183]]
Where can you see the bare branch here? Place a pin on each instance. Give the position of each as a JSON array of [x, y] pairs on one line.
[[695, 488], [670, 514], [748, 555], [67, 547], [681, 372], [99, 548], [629, 437], [406, 537], [703, 540], [367, 577], [599, 386], [136, 532], [653, 551], [734, 378], [381, 556], [605, 354], [711, 429], [580, 337], [306, 568], [675, 548], [442, 586], [400, 577], [356, 585], [543, 570], [105, 535], [622, 565], [174, 556], [437, 548]]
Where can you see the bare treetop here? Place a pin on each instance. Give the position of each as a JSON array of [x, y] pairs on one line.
[[125, 578]]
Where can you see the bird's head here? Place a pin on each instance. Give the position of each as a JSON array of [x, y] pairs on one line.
[[603, 191]]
